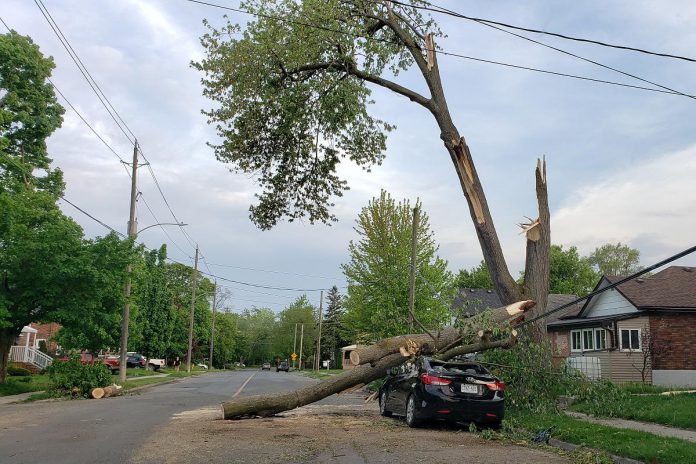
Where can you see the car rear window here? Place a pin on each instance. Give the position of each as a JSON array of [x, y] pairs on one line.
[[458, 368]]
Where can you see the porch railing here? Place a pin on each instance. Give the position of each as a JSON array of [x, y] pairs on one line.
[[30, 355]]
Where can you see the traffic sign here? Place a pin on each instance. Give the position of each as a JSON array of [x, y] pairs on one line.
[[293, 356]]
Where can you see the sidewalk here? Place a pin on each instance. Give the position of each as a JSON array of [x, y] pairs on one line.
[[655, 429], [17, 398]]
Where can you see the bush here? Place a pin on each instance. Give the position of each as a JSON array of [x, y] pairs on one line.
[[531, 381], [17, 371], [68, 376]]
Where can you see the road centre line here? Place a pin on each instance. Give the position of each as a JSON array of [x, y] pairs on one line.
[[243, 385]]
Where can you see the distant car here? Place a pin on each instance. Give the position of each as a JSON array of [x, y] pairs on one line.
[[283, 366], [201, 365], [266, 367], [136, 360], [429, 389], [112, 362]]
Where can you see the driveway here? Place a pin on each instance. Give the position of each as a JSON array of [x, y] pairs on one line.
[[180, 423]]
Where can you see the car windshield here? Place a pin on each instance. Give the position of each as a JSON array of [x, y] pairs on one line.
[[457, 368]]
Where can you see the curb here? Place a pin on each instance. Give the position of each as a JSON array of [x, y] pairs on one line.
[[572, 447]]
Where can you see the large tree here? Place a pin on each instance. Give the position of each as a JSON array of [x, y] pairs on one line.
[[293, 95], [570, 273], [378, 272], [332, 328], [300, 311], [615, 259], [476, 277]]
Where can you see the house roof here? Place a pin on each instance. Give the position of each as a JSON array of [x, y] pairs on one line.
[[472, 301], [672, 288]]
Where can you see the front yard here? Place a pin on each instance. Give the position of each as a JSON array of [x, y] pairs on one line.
[[18, 385]]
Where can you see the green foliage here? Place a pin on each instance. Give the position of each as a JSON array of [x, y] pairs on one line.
[[292, 100], [102, 273], [569, 273], [29, 113], [531, 382], [615, 260], [258, 326], [301, 311], [17, 371], [154, 315], [72, 374], [226, 336], [332, 339], [43, 346], [476, 277], [378, 272]]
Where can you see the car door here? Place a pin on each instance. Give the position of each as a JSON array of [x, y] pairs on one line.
[[404, 386], [393, 402]]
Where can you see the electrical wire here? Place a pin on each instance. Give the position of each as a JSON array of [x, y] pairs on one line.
[[442, 52], [539, 31], [577, 56], [273, 272]]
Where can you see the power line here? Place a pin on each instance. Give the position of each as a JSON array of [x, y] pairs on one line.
[[83, 70], [273, 272], [442, 52], [538, 31], [573, 55]]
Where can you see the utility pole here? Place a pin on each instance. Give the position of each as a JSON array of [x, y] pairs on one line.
[[194, 276], [321, 308], [412, 276], [212, 327], [301, 339], [294, 345], [132, 232]]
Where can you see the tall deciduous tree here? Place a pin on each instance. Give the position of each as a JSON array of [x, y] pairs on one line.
[[615, 260], [300, 311], [378, 272], [571, 273], [476, 277], [293, 95]]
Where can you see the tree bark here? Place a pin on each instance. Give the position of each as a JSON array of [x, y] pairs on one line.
[[7, 336]]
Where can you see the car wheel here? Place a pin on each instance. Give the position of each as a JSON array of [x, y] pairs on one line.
[[383, 405], [412, 419]]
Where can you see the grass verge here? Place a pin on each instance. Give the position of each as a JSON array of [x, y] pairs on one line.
[[622, 442], [675, 410], [321, 374], [18, 385]]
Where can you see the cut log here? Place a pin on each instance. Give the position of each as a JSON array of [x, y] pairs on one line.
[[371, 353], [96, 393], [113, 390]]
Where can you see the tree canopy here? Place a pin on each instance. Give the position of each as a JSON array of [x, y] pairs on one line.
[[615, 259], [378, 272]]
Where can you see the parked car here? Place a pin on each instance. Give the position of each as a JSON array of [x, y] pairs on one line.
[[135, 360], [429, 389], [266, 367], [283, 366], [202, 366], [112, 362]]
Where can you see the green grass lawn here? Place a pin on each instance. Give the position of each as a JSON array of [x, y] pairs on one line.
[[629, 443], [675, 410], [17, 385], [321, 374], [638, 387]]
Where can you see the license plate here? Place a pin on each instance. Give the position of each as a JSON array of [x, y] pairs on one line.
[[473, 389]]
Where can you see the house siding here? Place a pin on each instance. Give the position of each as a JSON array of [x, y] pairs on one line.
[[609, 303], [627, 366]]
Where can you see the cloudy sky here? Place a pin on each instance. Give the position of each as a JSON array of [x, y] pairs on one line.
[[621, 162]]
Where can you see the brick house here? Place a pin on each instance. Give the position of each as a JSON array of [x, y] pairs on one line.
[[642, 330], [43, 332]]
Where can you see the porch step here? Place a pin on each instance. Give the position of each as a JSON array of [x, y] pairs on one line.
[[28, 366]]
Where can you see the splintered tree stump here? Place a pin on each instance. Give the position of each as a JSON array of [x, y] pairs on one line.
[[96, 393], [374, 361]]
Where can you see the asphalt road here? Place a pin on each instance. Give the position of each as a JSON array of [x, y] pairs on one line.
[[110, 430]]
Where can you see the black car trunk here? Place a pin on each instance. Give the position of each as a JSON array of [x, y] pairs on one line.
[[466, 381]]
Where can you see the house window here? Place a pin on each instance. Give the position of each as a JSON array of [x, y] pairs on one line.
[[587, 340], [630, 340], [600, 339], [576, 341]]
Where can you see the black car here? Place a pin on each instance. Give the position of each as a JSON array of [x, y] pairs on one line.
[[429, 389], [283, 366]]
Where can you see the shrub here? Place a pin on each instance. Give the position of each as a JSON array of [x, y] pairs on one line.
[[69, 376], [17, 371]]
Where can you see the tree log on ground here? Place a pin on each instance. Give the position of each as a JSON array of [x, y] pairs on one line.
[[96, 393], [382, 356]]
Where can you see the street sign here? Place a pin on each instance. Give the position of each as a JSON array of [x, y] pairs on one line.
[[293, 356]]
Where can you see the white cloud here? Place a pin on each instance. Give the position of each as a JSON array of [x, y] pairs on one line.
[[648, 205]]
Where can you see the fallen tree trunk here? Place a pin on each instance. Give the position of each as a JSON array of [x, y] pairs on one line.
[[384, 355], [96, 393]]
